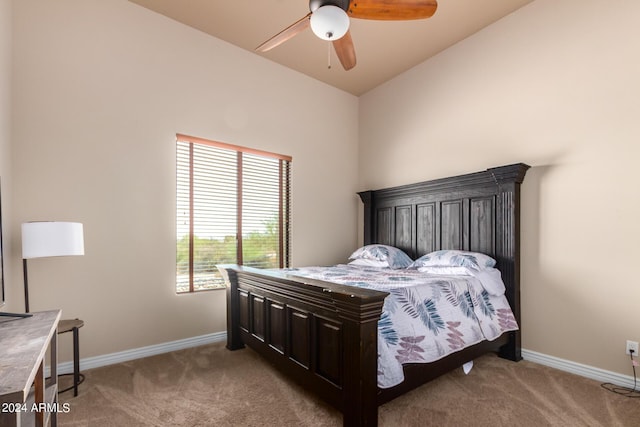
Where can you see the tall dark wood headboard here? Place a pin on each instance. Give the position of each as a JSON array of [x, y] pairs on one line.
[[477, 212]]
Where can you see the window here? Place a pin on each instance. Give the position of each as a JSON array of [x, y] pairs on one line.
[[232, 207]]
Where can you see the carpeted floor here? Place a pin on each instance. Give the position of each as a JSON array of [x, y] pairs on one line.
[[211, 386]]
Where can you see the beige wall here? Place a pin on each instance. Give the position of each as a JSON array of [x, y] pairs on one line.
[[554, 85], [5, 128], [101, 89]]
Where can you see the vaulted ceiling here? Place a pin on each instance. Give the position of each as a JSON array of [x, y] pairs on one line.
[[383, 49]]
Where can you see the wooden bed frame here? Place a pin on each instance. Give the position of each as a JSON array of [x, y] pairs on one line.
[[324, 335]]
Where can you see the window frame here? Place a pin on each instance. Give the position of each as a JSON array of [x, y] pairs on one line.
[[284, 202]]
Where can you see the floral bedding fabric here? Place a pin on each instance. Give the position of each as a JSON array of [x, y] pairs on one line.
[[425, 317]]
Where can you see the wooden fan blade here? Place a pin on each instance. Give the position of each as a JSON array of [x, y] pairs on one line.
[[392, 10], [284, 35], [345, 51]]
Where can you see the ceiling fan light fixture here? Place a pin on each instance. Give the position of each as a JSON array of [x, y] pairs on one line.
[[329, 22]]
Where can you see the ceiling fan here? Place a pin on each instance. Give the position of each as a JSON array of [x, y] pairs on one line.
[[329, 20]]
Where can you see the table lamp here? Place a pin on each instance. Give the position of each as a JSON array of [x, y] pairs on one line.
[[41, 239]]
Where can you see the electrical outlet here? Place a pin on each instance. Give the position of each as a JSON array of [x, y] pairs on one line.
[[632, 345]]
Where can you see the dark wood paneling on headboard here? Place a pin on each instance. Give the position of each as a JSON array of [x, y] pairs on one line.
[[462, 212]]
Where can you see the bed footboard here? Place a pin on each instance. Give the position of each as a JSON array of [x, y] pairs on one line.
[[321, 334]]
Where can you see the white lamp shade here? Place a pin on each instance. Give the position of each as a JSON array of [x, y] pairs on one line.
[[329, 22], [52, 238]]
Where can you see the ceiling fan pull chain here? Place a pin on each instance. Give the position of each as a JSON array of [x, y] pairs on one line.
[[328, 54]]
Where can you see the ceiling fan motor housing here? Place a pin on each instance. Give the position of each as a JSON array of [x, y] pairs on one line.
[[315, 4]]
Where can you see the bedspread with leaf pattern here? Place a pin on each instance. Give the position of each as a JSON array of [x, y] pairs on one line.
[[425, 317]]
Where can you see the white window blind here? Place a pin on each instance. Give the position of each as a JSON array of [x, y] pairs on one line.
[[232, 208]]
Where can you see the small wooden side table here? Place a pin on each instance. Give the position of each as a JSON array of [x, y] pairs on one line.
[[73, 325]]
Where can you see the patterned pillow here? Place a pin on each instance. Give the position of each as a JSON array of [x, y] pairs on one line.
[[454, 258], [393, 256]]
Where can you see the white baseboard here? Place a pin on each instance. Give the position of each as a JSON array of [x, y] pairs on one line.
[[152, 350], [578, 369], [139, 353]]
